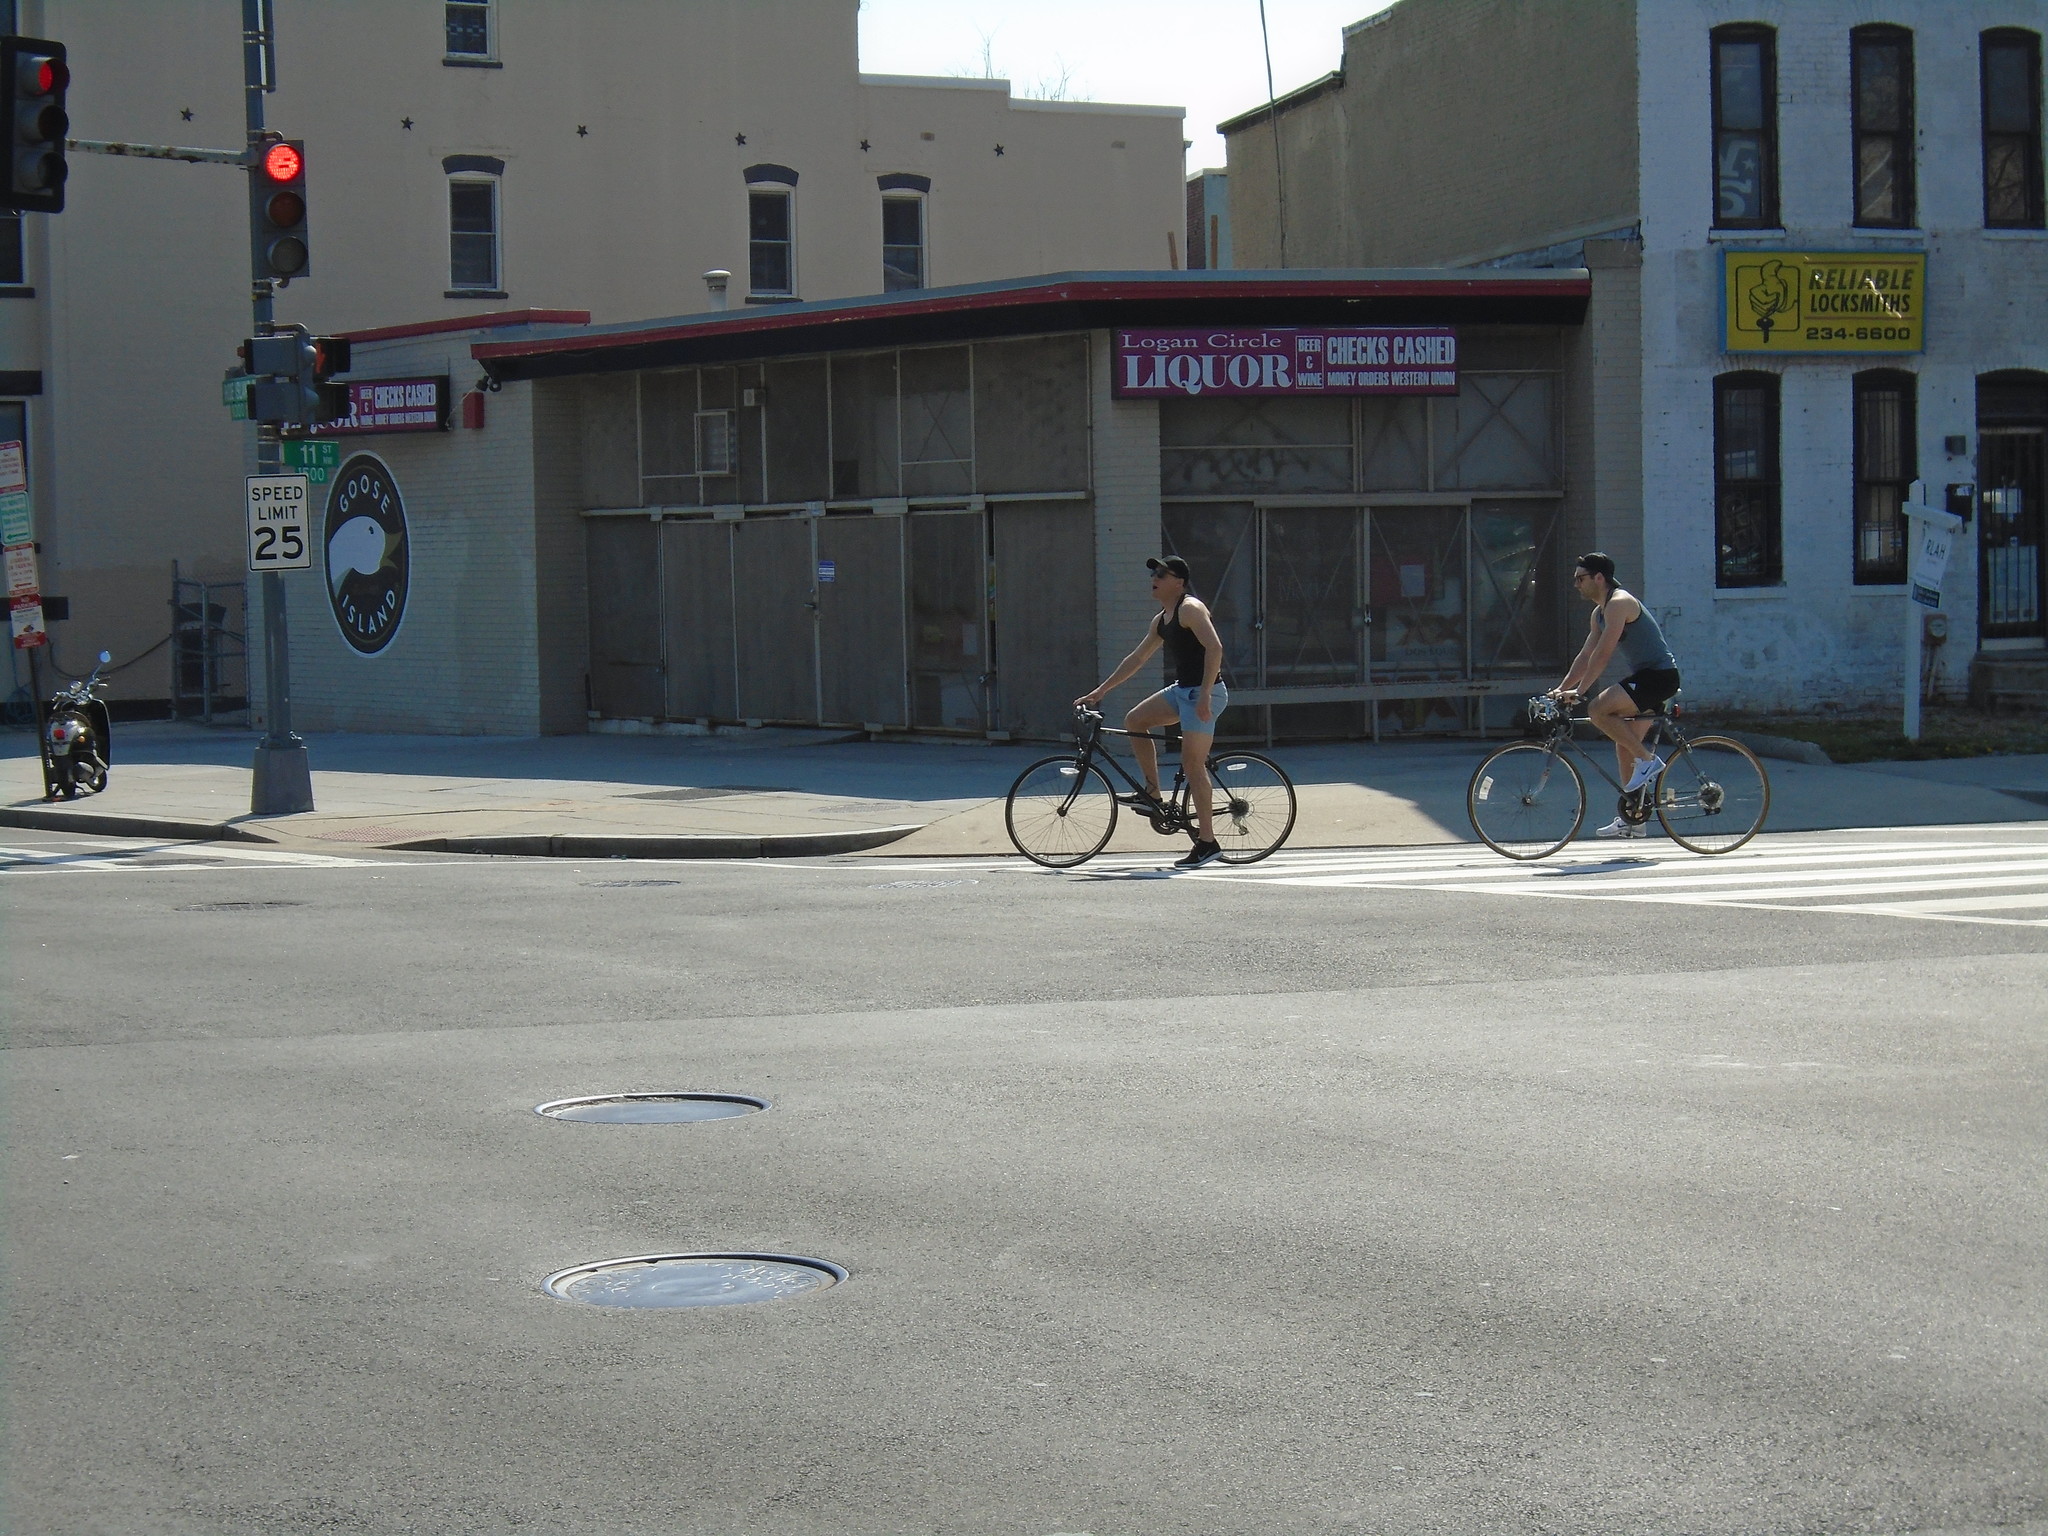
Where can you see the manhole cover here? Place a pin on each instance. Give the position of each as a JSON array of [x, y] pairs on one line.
[[240, 906], [692, 1279], [651, 1108]]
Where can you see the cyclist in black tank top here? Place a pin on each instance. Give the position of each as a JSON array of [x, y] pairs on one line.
[[1196, 698]]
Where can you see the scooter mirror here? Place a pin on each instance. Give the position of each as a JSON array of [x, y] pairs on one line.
[[105, 657]]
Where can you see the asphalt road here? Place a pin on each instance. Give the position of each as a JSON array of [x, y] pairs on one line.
[[1169, 1205]]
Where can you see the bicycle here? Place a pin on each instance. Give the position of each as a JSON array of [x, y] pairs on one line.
[[1527, 800], [1062, 810]]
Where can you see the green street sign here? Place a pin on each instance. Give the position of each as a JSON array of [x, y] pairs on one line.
[[312, 457], [234, 394]]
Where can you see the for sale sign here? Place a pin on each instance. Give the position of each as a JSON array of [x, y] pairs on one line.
[[279, 515], [1277, 360]]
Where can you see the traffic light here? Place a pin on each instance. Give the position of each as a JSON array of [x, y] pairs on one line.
[[293, 386], [277, 211], [33, 79]]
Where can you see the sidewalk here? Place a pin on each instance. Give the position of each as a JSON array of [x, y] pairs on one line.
[[742, 793]]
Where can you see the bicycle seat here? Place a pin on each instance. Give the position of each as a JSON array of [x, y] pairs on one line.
[[1668, 708]]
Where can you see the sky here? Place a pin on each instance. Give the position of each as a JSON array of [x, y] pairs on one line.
[[1204, 55]]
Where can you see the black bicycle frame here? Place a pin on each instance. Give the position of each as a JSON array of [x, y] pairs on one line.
[[1091, 738]]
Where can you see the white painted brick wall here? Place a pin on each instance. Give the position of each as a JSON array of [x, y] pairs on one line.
[[1819, 638], [464, 660], [1127, 526]]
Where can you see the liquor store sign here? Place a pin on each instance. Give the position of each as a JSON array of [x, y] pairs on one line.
[[1272, 360], [1823, 301]]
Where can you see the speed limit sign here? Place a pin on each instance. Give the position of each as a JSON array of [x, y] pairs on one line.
[[279, 513]]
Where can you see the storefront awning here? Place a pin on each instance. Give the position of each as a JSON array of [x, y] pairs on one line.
[[1070, 301]]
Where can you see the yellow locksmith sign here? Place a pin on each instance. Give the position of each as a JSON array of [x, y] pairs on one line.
[[1823, 301]]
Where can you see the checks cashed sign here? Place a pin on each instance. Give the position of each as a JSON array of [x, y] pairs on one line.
[[393, 405], [1292, 360]]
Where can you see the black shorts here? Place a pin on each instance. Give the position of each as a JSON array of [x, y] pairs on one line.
[[1651, 687]]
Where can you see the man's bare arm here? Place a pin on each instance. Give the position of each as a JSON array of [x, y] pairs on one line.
[[1126, 669]]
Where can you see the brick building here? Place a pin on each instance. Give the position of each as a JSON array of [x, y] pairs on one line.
[[1865, 178]]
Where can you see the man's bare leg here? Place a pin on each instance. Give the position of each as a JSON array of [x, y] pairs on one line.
[[1194, 763], [1153, 714], [1611, 715]]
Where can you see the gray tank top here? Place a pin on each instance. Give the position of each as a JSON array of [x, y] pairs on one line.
[[1642, 644]]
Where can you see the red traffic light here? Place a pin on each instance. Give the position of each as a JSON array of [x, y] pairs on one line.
[[281, 162], [41, 75]]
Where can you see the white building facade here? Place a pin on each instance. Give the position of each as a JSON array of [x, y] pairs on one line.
[[1691, 154]]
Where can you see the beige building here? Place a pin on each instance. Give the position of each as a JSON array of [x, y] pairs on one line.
[[495, 155], [1690, 154]]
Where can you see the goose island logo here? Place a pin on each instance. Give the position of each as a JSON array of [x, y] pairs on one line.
[[1823, 301], [369, 558]]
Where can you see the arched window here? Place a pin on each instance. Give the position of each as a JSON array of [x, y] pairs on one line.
[[1748, 520], [475, 257], [771, 233], [1745, 92], [903, 231], [2010, 64], [1887, 463], [1881, 111]]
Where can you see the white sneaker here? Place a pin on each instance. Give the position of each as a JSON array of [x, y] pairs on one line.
[[1645, 774], [1620, 827]]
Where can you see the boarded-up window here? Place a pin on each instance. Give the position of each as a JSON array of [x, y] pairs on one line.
[[938, 422], [864, 426], [1031, 414], [799, 445], [668, 438], [1499, 433], [1213, 446]]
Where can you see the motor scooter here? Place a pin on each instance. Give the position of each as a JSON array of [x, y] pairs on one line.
[[77, 738]]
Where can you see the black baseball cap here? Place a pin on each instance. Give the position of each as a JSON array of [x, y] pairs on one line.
[[1171, 565]]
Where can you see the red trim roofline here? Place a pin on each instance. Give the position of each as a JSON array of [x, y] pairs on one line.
[[490, 322], [770, 319]]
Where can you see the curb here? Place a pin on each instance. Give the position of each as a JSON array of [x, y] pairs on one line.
[[127, 826], [681, 846], [1786, 747]]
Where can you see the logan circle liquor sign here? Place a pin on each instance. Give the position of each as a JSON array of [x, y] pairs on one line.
[[369, 554], [1285, 360]]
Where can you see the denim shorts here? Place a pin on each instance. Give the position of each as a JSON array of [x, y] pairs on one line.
[[1186, 699]]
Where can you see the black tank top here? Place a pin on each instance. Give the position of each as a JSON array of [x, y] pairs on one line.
[[1183, 648]]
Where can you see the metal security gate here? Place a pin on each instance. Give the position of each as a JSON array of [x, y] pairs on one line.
[[2011, 567], [1343, 620]]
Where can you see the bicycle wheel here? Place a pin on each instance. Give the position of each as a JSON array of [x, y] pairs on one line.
[[1059, 813], [1713, 795], [1254, 805], [1526, 801]]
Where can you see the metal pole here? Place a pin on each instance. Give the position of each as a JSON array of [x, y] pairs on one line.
[[1913, 625], [282, 784]]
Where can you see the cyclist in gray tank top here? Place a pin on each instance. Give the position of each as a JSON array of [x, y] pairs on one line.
[[1621, 623]]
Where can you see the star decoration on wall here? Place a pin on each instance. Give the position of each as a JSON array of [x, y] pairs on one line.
[[582, 130], [739, 138], [405, 123], [865, 146], [185, 113], [999, 149]]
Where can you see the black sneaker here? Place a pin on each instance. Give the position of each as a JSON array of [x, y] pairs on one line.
[[1197, 856], [1141, 801]]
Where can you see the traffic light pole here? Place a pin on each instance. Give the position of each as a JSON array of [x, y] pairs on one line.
[[283, 778]]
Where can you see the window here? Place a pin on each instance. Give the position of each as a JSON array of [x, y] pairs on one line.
[[1745, 91], [13, 269], [1881, 107], [469, 30], [771, 263], [902, 243], [1746, 501], [1886, 465], [717, 442], [473, 235], [2011, 66]]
